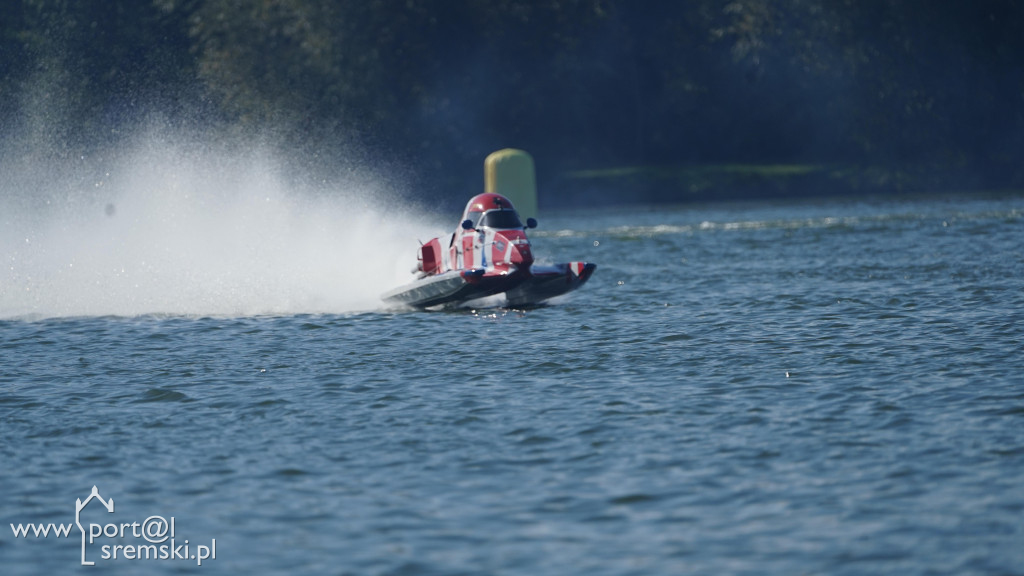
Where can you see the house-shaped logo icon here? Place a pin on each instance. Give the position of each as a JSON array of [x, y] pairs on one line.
[[79, 506]]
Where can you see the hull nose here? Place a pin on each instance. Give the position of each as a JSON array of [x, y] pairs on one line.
[[513, 248], [522, 257]]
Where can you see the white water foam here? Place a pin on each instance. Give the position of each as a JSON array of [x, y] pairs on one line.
[[168, 230]]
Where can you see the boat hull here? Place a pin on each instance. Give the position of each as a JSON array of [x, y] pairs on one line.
[[452, 286], [546, 282], [539, 284]]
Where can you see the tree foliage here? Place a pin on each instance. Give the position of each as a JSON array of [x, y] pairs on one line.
[[582, 82]]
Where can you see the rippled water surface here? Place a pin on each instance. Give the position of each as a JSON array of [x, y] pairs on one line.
[[811, 388]]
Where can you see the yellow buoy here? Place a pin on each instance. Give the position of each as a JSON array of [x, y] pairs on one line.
[[509, 172]]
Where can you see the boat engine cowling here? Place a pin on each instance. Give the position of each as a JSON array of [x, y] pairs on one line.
[[429, 257]]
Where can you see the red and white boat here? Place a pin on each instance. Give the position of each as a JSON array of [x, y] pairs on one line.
[[487, 254]]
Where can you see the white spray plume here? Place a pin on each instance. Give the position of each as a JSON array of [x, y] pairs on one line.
[[171, 229]]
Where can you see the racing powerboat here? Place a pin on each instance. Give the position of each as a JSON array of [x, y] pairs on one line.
[[488, 254]]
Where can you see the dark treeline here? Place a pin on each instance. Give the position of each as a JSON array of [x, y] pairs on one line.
[[930, 89]]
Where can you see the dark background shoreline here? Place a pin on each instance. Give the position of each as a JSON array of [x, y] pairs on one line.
[[699, 100]]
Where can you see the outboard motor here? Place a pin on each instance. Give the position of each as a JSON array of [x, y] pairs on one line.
[[428, 261]]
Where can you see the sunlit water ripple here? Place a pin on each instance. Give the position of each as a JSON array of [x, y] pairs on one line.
[[813, 388]]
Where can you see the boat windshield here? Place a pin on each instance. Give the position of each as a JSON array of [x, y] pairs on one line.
[[501, 219], [474, 215]]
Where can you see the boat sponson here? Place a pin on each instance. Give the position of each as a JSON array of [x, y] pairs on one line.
[[550, 281], [452, 286]]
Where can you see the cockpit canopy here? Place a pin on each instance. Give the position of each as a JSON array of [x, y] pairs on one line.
[[491, 211], [503, 219]]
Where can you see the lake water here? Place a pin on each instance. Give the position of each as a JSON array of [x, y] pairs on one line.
[[830, 387]]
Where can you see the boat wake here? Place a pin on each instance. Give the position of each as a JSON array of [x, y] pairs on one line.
[[165, 230]]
